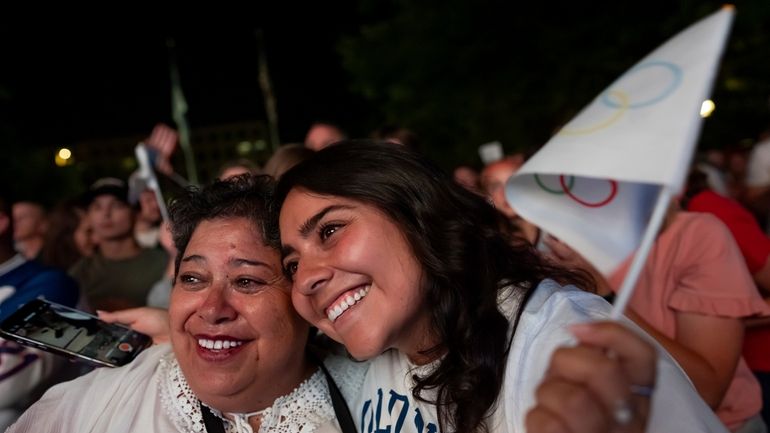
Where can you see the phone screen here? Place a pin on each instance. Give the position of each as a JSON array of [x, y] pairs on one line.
[[63, 330]]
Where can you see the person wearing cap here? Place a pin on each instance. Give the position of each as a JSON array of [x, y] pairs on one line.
[[120, 273]]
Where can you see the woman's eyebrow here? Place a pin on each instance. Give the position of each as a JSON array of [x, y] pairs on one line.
[[194, 258], [246, 262], [308, 226]]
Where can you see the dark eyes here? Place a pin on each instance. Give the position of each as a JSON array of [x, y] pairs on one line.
[[248, 284], [289, 269], [243, 284], [327, 230], [188, 279]]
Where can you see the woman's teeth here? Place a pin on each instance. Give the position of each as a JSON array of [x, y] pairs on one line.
[[218, 344], [348, 301]]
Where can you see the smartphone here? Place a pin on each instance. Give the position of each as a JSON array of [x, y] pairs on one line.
[[73, 333]]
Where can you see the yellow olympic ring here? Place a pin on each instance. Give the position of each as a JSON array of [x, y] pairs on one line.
[[619, 112]]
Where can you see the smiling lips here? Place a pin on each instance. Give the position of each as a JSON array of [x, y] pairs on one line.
[[217, 344], [346, 301], [218, 348]]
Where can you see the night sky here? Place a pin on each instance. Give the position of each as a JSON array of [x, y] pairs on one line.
[[64, 80], [65, 83]]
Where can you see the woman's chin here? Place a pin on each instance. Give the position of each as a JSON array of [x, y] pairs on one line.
[[363, 352]]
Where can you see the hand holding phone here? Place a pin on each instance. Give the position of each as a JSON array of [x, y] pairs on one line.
[[65, 331], [150, 321]]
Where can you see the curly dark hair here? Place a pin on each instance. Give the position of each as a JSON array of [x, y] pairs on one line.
[[245, 196], [455, 235]]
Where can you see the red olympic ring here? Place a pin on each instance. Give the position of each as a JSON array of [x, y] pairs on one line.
[[568, 192]]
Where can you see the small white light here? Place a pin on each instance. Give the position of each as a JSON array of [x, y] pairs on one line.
[[65, 153], [63, 157], [707, 108]]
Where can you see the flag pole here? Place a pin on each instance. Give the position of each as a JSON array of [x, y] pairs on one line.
[[178, 111], [640, 257], [267, 92]]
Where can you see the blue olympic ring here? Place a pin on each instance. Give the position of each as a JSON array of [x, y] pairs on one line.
[[676, 80]]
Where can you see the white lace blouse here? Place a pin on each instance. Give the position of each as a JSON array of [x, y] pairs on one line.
[[151, 395]]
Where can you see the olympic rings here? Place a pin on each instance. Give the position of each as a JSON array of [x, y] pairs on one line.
[[620, 100], [676, 79], [621, 109], [566, 189], [554, 191]]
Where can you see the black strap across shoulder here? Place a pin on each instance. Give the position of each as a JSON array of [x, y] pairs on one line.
[[214, 424], [341, 409]]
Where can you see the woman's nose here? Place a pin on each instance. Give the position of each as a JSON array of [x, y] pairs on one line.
[[216, 307], [311, 276]]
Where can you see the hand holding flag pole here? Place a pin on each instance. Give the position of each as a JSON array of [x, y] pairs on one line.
[[147, 173]]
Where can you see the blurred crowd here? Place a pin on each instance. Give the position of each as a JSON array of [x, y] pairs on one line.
[[703, 294]]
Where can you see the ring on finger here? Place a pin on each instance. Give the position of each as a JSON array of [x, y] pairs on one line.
[[623, 413], [642, 390]]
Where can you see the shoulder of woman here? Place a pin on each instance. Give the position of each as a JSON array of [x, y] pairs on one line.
[[551, 300], [544, 323], [80, 402], [347, 374]]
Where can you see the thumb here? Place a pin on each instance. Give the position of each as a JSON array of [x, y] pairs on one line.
[[126, 317]]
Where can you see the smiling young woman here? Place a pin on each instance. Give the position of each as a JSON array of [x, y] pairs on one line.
[[392, 259]]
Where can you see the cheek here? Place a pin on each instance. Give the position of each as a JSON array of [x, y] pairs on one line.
[[278, 320], [182, 306]]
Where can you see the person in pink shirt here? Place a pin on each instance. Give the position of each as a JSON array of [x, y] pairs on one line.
[[755, 247], [692, 296]]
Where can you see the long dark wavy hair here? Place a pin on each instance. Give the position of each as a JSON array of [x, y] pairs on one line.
[[455, 235]]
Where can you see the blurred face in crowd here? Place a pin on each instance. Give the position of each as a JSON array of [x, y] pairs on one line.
[[234, 171], [111, 218], [321, 135], [467, 178], [28, 221], [237, 338], [493, 179], [84, 237], [148, 206]]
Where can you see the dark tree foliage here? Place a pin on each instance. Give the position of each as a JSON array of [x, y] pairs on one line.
[[462, 73]]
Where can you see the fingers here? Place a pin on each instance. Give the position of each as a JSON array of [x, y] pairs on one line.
[[601, 377], [542, 420], [637, 356], [569, 406], [601, 385], [147, 320], [126, 317], [163, 138]]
